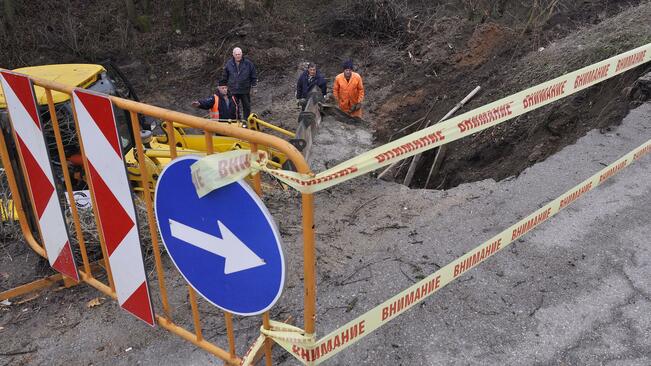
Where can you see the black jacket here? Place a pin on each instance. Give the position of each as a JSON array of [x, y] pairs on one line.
[[225, 112], [305, 84], [242, 78]]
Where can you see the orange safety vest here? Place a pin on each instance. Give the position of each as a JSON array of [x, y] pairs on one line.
[[214, 110]]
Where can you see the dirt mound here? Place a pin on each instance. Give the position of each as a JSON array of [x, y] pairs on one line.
[[391, 106], [486, 40]]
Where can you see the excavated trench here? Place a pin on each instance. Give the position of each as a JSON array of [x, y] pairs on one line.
[[509, 148], [529, 139]]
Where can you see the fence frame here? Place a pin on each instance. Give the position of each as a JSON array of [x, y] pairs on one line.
[[209, 127]]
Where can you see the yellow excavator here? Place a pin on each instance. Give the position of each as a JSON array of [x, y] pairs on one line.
[[108, 79]]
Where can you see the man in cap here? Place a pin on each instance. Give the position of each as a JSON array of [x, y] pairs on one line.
[[348, 89], [222, 104], [241, 76]]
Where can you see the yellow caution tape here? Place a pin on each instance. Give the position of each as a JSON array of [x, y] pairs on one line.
[[249, 357], [463, 125], [333, 343], [217, 170], [280, 332]]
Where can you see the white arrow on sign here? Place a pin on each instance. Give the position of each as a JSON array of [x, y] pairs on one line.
[[238, 256]]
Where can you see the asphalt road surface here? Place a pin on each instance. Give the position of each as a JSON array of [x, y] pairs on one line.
[[574, 291]]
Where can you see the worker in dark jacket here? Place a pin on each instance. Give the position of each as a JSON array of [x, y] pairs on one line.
[[308, 79], [225, 108], [241, 76]]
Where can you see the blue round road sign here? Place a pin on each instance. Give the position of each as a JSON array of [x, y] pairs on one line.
[[225, 244]]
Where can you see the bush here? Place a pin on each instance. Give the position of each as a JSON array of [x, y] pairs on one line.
[[383, 19]]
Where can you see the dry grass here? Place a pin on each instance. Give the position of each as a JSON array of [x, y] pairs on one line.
[[385, 19]]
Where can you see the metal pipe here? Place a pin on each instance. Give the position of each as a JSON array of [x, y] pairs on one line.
[[257, 183], [144, 174], [254, 137], [228, 319], [195, 314], [266, 323], [168, 154], [32, 286], [106, 290], [195, 122], [66, 177], [98, 221], [171, 138], [273, 127], [189, 336], [18, 204], [309, 264], [210, 148]]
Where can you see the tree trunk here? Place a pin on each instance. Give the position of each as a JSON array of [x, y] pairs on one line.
[[178, 14], [141, 22], [9, 12], [131, 12]]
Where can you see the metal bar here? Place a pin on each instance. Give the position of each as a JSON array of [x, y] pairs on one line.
[[257, 186], [21, 164], [257, 182], [203, 344], [98, 222], [254, 137], [18, 204], [416, 158], [98, 285], [309, 263], [169, 154], [66, 177], [228, 319], [210, 149], [273, 127], [267, 342], [196, 122], [144, 174], [32, 286], [171, 138], [49, 281], [195, 314]]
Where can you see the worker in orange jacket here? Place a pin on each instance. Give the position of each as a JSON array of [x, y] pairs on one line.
[[349, 90]]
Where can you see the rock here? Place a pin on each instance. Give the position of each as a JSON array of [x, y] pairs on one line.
[[537, 153], [641, 90], [190, 58], [277, 53]]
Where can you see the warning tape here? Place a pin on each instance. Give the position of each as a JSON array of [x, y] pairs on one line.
[[278, 331], [458, 127], [217, 170], [299, 345]]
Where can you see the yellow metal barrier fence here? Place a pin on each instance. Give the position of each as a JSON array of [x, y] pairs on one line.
[[209, 128]]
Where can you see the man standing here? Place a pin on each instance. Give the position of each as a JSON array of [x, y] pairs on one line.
[[349, 90], [240, 74], [222, 105], [308, 79]]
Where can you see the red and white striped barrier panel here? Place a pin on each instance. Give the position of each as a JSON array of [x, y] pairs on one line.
[[25, 120], [113, 204]]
